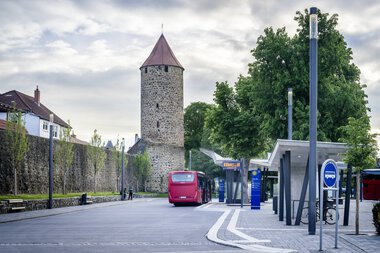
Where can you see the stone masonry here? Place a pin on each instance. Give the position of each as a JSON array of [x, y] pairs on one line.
[[162, 123]]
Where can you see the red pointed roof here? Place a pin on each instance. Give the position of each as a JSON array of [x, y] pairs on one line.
[[162, 55]]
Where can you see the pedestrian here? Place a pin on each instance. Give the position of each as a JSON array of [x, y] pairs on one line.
[[124, 193], [130, 193]]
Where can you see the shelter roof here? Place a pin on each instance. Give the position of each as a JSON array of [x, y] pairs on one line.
[[299, 153]]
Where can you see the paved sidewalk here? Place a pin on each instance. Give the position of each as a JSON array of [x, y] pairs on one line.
[[255, 225], [9, 217]]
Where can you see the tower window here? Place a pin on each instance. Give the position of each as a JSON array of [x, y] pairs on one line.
[[166, 68], [146, 70], [158, 124], [157, 106]]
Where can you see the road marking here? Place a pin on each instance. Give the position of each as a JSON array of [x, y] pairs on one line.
[[212, 235], [232, 228], [208, 205]]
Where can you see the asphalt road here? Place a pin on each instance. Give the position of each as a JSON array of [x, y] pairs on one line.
[[146, 226]]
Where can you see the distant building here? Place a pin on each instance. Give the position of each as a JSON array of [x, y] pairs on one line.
[[35, 115], [162, 125]]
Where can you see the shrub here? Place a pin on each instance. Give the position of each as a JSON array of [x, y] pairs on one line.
[[376, 216]]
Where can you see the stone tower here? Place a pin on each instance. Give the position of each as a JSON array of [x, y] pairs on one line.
[[162, 113]]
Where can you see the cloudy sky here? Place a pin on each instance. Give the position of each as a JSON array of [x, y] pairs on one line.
[[85, 55]]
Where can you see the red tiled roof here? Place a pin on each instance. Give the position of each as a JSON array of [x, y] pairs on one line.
[[162, 55], [26, 103]]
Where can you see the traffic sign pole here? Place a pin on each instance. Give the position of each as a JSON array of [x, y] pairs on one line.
[[329, 178]]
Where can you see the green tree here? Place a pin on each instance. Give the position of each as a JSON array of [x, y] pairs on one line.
[[143, 168], [197, 136], [194, 119], [65, 154], [17, 143], [361, 153], [281, 61], [117, 158], [96, 154], [234, 127]]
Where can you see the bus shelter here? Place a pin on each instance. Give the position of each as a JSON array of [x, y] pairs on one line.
[[290, 159], [233, 175]]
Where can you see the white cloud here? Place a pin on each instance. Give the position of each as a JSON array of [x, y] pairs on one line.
[[85, 55]]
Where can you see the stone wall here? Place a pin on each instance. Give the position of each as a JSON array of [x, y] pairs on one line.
[[40, 204], [164, 158], [33, 175], [162, 105]]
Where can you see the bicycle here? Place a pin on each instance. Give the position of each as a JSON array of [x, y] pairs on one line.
[[329, 214]]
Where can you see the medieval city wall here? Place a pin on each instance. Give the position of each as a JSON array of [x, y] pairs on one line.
[[33, 174]]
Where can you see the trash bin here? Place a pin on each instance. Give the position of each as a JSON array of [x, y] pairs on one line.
[[84, 198], [275, 204]]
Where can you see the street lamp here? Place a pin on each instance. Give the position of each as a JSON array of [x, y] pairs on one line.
[[290, 114], [50, 204], [313, 117], [190, 160], [122, 169]]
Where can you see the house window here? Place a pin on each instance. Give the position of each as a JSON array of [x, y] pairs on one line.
[[158, 124], [12, 117], [55, 131], [45, 125], [166, 68], [146, 70]]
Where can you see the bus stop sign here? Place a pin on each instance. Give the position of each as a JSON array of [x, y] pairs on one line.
[[329, 174]]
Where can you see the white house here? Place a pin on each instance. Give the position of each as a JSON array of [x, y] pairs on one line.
[[35, 115]]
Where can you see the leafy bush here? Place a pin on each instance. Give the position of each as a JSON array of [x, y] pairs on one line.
[[376, 216]]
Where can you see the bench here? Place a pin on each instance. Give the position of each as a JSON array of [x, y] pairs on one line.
[[16, 204], [85, 200]]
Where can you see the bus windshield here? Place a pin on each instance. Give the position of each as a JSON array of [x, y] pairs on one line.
[[182, 177]]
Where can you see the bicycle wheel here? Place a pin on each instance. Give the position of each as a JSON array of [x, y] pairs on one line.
[[305, 215], [331, 217]]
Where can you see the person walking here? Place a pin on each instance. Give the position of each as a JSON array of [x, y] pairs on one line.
[[130, 193]]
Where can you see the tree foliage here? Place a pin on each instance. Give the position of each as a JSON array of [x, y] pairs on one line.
[[194, 118], [17, 143], [282, 61], [362, 146], [361, 153], [117, 158], [96, 154], [143, 167], [65, 154]]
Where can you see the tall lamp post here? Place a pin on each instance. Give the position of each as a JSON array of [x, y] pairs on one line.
[[50, 205], [122, 169], [313, 117], [290, 114], [190, 160]]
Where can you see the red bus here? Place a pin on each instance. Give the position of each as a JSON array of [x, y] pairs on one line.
[[188, 187], [371, 184]]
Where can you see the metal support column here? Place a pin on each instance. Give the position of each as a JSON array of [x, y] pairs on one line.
[[288, 193], [303, 194], [313, 117], [281, 192], [348, 196], [50, 205]]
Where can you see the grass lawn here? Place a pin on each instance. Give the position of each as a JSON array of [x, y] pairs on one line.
[[55, 195], [73, 195]]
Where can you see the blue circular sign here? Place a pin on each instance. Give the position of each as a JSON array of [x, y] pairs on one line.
[[329, 174]]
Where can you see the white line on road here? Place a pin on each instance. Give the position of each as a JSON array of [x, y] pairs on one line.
[[232, 228], [212, 235]]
